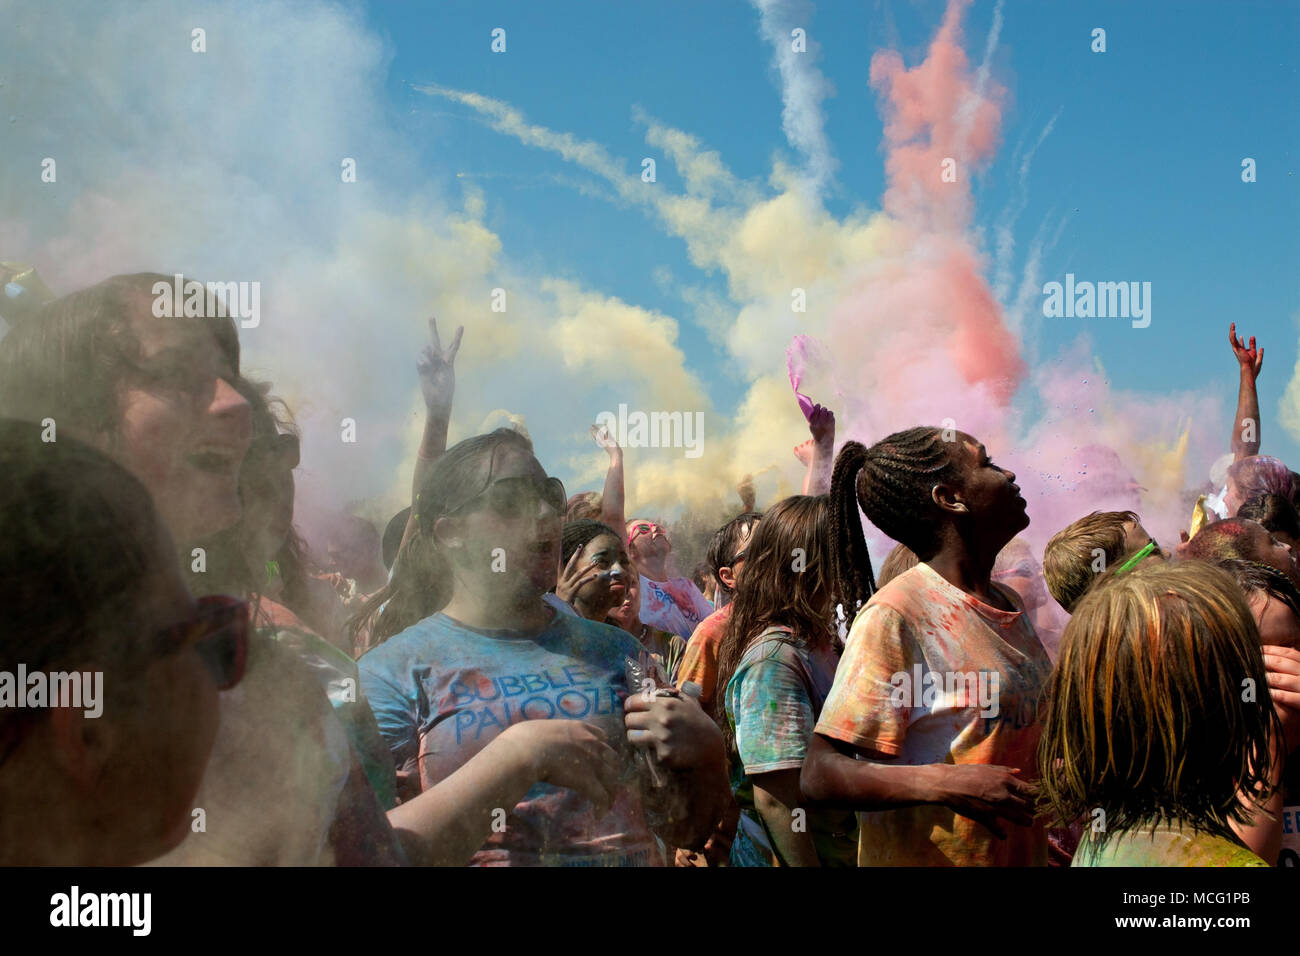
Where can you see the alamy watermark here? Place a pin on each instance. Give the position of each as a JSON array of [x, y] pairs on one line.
[[194, 299], [922, 688], [656, 429], [78, 689], [1102, 300]]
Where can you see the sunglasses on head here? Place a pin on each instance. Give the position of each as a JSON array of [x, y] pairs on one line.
[[519, 497], [219, 630], [644, 528]]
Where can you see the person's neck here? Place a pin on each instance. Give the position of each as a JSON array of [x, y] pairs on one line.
[[967, 569], [592, 612], [655, 570], [489, 610]]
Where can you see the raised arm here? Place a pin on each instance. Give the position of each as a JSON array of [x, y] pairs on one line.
[[1246, 425], [436, 368], [611, 499], [822, 425]]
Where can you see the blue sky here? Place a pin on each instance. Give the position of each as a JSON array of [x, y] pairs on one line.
[[1116, 166], [1143, 161]]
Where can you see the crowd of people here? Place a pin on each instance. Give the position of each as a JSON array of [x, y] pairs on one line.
[[511, 675]]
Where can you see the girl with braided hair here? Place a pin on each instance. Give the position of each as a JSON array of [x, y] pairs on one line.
[[931, 727]]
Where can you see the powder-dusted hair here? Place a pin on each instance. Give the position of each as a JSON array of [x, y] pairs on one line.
[[1145, 716], [1070, 555], [1222, 541], [1274, 512]]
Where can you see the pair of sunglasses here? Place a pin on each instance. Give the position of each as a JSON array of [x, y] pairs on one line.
[[219, 630], [643, 528], [1139, 557], [519, 497]]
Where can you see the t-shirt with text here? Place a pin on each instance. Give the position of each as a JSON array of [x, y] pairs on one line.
[[442, 691], [675, 605]]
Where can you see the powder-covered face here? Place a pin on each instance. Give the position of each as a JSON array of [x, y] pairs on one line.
[[647, 545], [184, 428], [527, 561], [606, 554]]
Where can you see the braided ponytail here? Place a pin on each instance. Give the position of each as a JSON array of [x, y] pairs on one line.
[[853, 579]]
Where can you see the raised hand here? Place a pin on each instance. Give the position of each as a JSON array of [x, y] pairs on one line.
[[437, 370], [1250, 358], [746, 491], [573, 576], [602, 436], [822, 424]]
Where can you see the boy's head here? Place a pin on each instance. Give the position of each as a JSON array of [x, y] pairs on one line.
[[1079, 554], [1146, 718]]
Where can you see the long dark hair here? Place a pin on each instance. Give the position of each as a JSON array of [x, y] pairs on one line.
[[69, 360], [786, 583], [891, 481], [421, 583]]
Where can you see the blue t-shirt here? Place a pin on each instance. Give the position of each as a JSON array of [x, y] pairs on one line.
[[442, 691]]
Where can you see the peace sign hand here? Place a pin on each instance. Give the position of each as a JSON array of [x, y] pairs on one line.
[[437, 368]]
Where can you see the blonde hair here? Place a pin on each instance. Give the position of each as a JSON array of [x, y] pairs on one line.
[[1146, 717]]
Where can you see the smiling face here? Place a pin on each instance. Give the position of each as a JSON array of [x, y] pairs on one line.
[[184, 429]]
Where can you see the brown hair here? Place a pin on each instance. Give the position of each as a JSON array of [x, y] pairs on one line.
[[1068, 560], [787, 583], [1146, 718]]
